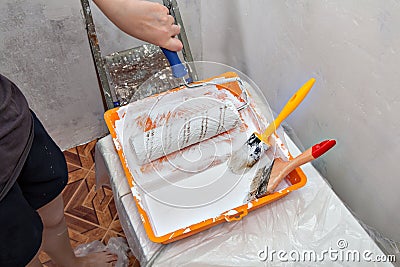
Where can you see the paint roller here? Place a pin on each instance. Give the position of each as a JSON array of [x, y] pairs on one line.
[[186, 130], [179, 133]]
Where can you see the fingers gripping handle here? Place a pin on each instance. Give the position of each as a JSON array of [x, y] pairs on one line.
[[178, 69], [172, 57]]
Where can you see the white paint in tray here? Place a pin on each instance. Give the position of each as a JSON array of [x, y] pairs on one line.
[[195, 183]]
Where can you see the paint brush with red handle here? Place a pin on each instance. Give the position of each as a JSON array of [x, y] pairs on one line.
[[268, 177]]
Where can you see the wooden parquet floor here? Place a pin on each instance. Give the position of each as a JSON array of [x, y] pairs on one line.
[[90, 215]]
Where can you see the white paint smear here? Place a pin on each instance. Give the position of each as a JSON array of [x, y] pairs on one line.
[[231, 213]]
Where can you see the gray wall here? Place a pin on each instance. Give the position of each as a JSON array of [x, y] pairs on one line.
[[111, 39], [44, 50], [352, 48]]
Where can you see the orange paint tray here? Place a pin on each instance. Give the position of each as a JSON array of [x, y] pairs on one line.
[[199, 217]]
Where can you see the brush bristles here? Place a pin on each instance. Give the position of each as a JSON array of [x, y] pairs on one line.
[[255, 185], [258, 187], [248, 154], [240, 160]]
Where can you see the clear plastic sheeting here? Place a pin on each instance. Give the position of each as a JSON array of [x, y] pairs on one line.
[[116, 245], [109, 170], [390, 247], [312, 219], [309, 221], [309, 227]]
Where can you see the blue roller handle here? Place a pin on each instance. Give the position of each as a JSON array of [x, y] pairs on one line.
[[178, 69]]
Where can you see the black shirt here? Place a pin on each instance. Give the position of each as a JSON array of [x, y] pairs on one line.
[[16, 133]]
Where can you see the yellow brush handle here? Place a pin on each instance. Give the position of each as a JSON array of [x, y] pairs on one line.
[[291, 105]]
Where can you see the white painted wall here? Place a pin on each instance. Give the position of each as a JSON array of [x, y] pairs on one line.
[[352, 48], [45, 51]]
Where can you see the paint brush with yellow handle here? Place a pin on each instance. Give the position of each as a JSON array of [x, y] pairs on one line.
[[251, 151]]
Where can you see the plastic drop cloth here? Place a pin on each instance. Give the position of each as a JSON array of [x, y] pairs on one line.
[[310, 220], [116, 245]]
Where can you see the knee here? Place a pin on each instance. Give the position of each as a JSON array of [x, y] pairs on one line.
[[53, 221], [52, 214]]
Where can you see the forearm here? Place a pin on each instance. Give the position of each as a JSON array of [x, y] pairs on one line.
[[111, 8], [144, 20]]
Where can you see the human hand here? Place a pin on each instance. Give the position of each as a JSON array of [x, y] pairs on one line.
[[144, 20]]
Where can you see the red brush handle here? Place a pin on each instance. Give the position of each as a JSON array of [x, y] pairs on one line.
[[282, 168], [319, 149]]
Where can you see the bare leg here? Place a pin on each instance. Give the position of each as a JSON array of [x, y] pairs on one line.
[[56, 241]]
